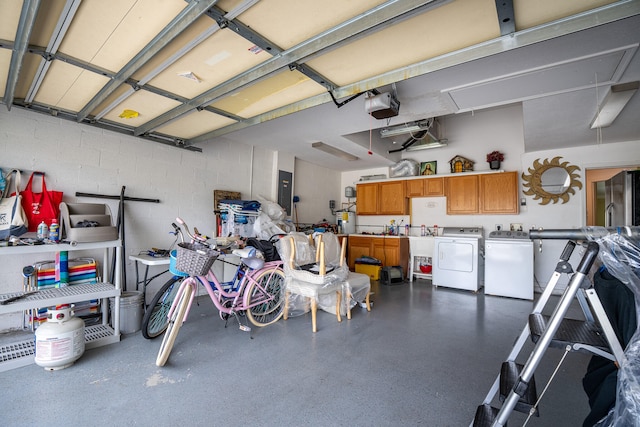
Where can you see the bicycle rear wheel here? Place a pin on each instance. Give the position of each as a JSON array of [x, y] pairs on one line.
[[266, 297], [175, 322], [155, 319]]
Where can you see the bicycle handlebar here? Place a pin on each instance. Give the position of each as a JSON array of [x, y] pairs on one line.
[[196, 237]]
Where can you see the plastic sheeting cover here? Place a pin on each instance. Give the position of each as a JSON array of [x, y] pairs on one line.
[[620, 254], [305, 257]]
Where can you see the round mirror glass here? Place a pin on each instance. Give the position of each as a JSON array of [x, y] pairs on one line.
[[555, 180]]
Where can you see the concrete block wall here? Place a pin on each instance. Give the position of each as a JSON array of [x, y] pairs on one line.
[[79, 158]]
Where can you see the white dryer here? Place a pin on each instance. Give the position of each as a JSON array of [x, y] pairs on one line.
[[458, 261]]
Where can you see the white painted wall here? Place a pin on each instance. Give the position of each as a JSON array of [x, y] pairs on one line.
[[315, 185], [475, 135]]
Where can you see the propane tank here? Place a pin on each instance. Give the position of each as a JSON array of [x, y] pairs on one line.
[[59, 340]]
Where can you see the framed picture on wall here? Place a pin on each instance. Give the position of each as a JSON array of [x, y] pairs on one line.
[[428, 168]]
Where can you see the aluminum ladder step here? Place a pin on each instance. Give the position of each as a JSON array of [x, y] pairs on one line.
[[570, 332], [509, 376]]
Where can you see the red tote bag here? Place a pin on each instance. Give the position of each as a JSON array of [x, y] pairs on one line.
[[43, 206]]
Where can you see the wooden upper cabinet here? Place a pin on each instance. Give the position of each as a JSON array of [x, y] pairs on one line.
[[499, 193], [425, 187], [415, 187], [367, 199], [392, 198], [434, 187], [462, 194]]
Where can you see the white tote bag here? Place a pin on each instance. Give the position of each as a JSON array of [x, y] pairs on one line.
[[13, 221]]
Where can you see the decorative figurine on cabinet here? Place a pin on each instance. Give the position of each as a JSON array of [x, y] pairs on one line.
[[461, 164]]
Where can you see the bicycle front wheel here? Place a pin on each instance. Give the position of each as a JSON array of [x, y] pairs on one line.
[[266, 297], [155, 319], [175, 322]]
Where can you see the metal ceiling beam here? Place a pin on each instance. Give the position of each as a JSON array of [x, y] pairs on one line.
[[23, 33], [257, 39], [372, 18], [69, 11], [566, 26], [506, 17], [181, 22]]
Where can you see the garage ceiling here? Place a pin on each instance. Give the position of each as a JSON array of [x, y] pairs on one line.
[[190, 73]]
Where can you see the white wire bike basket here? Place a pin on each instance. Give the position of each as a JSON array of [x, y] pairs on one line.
[[195, 259]]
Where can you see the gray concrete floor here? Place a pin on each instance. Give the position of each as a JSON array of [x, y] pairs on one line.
[[422, 356]]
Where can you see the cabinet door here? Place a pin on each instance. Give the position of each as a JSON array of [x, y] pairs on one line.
[[367, 199], [386, 250], [462, 194], [499, 193], [392, 251], [357, 247], [415, 187], [434, 187], [392, 198]]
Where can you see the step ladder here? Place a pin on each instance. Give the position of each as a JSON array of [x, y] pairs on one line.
[[595, 335]]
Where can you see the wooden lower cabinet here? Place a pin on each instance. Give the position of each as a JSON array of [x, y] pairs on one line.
[[390, 250]]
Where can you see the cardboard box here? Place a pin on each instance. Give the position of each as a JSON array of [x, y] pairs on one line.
[[373, 271]]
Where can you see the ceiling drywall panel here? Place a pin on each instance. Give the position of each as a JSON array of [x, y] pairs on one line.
[[199, 30], [532, 13], [194, 124], [109, 34], [543, 130], [288, 23], [9, 18], [422, 37], [69, 87], [148, 105], [5, 60], [212, 62], [283, 88], [572, 74]]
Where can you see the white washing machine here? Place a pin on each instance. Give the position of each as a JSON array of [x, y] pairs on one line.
[[457, 261], [509, 264]]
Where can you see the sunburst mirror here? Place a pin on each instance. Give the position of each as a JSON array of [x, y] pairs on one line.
[[551, 180]]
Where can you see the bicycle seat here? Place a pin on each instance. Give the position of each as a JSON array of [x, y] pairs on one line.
[[253, 263], [247, 252]]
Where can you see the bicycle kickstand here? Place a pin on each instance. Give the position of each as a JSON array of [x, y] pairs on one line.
[[242, 327]]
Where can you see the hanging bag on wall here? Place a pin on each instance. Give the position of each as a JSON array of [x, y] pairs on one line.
[[43, 206], [13, 221]]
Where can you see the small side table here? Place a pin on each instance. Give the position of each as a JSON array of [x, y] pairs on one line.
[[147, 261]]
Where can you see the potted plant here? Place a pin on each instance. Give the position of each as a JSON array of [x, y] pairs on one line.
[[494, 158]]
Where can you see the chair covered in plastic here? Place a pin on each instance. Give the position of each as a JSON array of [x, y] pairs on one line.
[[308, 275], [357, 286]]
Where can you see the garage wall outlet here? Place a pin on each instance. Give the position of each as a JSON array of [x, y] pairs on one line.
[[498, 227], [516, 227]]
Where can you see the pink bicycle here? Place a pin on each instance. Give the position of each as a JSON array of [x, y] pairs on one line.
[[257, 289]]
